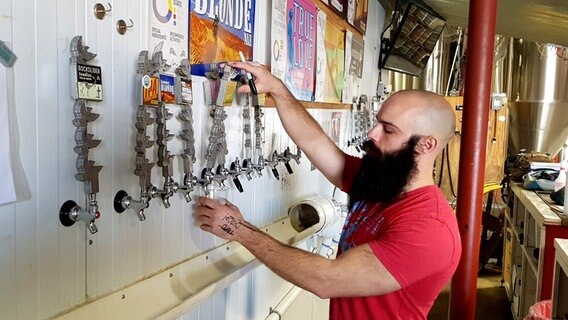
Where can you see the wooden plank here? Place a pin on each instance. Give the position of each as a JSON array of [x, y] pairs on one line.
[[496, 149], [336, 18]]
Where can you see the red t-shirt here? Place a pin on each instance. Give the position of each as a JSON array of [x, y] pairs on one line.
[[416, 238]]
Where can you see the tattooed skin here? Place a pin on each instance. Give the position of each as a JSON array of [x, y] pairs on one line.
[[230, 224]]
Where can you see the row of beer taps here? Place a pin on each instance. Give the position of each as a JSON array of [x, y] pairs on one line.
[[215, 170]]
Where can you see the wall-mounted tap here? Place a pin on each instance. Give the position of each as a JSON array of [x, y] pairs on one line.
[[189, 183], [170, 187], [70, 212], [259, 166], [272, 162], [247, 168], [287, 155], [86, 169], [235, 171], [123, 201], [221, 174], [206, 179], [296, 156]]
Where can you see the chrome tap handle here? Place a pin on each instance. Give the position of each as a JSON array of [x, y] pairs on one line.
[[235, 171], [272, 163], [248, 168]]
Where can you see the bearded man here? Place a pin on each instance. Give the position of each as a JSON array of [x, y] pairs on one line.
[[400, 243]]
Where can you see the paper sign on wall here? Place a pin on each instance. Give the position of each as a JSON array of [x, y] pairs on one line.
[[7, 187]]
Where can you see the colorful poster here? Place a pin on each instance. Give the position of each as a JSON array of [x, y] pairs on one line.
[[299, 45], [320, 57], [334, 42], [168, 30], [218, 30]]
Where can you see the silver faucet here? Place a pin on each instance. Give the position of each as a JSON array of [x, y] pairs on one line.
[[123, 201], [70, 212], [272, 162], [235, 171]]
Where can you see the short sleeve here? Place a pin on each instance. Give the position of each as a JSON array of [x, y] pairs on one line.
[[415, 248]]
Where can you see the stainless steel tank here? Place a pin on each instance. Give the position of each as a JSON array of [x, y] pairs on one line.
[[538, 95]]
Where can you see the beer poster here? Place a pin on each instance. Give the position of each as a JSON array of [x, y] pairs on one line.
[[218, 30], [295, 45]]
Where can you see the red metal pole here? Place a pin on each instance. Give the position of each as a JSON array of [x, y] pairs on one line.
[[479, 68]]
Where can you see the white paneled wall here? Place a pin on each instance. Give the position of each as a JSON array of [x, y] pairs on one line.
[[46, 268]]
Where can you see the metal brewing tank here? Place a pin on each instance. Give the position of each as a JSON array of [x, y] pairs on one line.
[[538, 95]]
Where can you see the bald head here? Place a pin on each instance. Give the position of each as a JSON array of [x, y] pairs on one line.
[[426, 114]]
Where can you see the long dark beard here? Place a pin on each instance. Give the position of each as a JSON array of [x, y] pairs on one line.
[[383, 176]]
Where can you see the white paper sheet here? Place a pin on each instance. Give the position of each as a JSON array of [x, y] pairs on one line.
[[7, 188]]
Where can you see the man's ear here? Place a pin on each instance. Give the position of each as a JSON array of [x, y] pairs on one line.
[[426, 145]]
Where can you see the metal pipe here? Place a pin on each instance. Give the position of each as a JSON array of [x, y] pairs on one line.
[[480, 46]]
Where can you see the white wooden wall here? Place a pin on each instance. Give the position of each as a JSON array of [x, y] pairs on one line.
[[46, 268]]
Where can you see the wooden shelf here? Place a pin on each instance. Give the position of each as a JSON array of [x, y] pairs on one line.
[[336, 19], [269, 102]]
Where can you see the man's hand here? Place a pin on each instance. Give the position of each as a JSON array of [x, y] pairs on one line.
[[222, 220], [264, 80]]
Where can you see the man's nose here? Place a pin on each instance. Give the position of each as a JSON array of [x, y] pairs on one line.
[[374, 133]]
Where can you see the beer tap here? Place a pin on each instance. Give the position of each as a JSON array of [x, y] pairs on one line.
[[365, 120], [143, 168], [287, 156], [235, 171], [83, 78], [122, 200], [216, 151], [222, 173], [273, 162], [258, 136], [353, 124], [164, 157], [184, 98]]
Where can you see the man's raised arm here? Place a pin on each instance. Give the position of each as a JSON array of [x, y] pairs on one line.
[[306, 133]]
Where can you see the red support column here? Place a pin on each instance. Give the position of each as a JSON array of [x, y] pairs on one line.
[[479, 68]]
